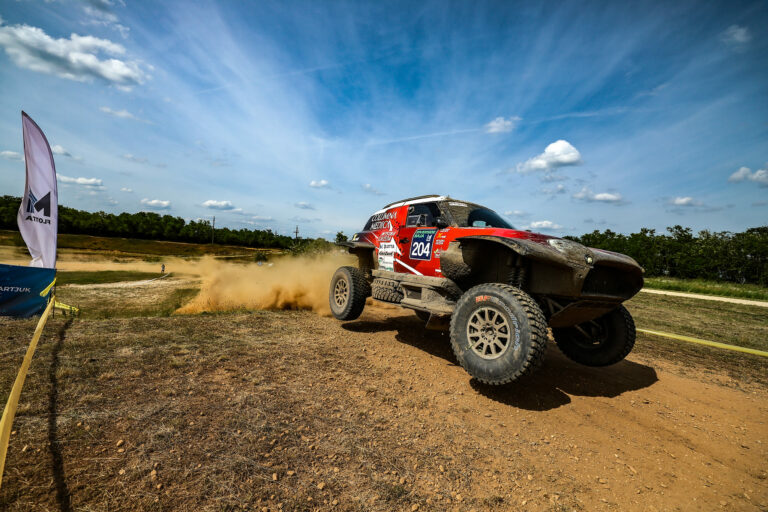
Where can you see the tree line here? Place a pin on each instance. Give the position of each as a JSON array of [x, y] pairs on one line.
[[717, 256], [151, 226]]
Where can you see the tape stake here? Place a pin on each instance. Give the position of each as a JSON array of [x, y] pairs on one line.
[[13, 400], [688, 339]]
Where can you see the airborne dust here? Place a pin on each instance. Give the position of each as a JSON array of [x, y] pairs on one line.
[[287, 282], [299, 282]]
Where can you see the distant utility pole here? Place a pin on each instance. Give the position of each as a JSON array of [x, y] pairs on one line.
[[213, 228], [297, 232]]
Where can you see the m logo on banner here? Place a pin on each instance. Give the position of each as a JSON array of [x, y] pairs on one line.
[[33, 204]]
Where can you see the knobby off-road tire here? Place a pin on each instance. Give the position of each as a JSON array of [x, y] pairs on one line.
[[600, 342], [348, 292], [387, 290], [498, 333]]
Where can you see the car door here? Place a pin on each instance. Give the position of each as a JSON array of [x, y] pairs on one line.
[[415, 240]]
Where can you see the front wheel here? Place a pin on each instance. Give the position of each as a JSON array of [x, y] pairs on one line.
[[347, 293], [600, 342], [498, 333]]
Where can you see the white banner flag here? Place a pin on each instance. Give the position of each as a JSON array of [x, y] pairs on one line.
[[39, 212]]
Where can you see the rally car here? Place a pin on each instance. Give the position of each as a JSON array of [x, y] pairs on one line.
[[463, 267]]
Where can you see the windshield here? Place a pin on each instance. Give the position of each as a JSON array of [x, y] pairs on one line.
[[467, 215]]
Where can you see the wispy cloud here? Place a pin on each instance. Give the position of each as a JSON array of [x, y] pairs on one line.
[[421, 136], [92, 183], [135, 159], [304, 206], [737, 37], [100, 12], [502, 125], [78, 58], [123, 114], [368, 188], [11, 155], [126, 189]]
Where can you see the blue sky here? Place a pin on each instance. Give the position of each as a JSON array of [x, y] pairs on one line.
[[566, 117]]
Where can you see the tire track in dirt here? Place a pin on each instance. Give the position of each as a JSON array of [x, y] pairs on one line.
[[627, 434]]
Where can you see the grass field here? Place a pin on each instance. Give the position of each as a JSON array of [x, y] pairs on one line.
[[128, 408], [744, 291], [133, 246], [104, 276], [132, 407]]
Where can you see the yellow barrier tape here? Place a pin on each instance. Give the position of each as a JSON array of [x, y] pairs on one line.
[[59, 305], [706, 342], [48, 288], [13, 400]]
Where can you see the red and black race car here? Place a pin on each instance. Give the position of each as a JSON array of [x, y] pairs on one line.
[[461, 266]]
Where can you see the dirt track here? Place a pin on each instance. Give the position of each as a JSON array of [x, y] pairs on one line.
[[628, 436], [373, 414]]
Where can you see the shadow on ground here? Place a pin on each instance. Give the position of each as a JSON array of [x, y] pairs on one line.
[[548, 388]]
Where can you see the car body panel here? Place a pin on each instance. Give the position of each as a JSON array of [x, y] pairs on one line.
[[404, 238]]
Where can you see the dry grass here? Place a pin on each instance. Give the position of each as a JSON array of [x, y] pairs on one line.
[[368, 415]]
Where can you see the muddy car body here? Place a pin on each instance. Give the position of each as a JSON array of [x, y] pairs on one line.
[[462, 266]]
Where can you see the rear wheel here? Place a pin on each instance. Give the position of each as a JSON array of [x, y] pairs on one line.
[[347, 293], [498, 333], [600, 342]]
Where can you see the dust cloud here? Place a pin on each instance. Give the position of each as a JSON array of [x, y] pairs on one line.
[[298, 282]]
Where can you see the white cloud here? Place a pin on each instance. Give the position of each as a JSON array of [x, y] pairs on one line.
[[502, 125], [259, 218], [585, 194], [516, 213], [11, 155], [683, 201], [681, 204], [156, 204], [304, 219], [544, 225], [83, 182], [126, 189], [59, 150], [736, 36], [370, 190], [319, 184], [78, 58], [304, 206], [760, 176], [558, 154], [219, 205], [122, 114]]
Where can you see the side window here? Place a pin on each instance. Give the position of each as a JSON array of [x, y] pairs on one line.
[[422, 215]]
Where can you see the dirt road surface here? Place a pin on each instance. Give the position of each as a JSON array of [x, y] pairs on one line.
[[292, 411]]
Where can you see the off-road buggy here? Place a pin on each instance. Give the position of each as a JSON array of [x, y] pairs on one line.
[[461, 266]]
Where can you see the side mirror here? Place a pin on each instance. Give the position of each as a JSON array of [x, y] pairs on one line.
[[441, 223]]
